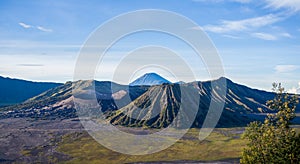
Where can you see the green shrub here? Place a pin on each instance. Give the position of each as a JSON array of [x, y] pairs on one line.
[[273, 141]]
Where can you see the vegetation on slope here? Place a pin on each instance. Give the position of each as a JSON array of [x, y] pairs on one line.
[[274, 141], [222, 144]]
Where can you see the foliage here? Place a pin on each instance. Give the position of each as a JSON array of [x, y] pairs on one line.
[[224, 144], [273, 141]]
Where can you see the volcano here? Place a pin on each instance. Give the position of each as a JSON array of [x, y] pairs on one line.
[[153, 106], [149, 79], [159, 105]]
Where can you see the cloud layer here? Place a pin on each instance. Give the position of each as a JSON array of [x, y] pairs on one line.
[[295, 90], [285, 68], [281, 9], [220, 1], [241, 25], [27, 26], [24, 25], [264, 36], [293, 5], [44, 29]]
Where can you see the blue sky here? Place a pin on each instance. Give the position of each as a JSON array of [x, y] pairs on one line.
[[258, 41]]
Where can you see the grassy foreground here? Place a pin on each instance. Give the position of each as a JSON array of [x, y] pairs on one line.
[[222, 144]]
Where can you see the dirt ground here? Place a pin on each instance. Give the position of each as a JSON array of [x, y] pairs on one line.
[[20, 134]]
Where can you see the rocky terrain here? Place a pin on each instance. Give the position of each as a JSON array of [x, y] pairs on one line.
[[158, 102], [18, 136], [30, 131]]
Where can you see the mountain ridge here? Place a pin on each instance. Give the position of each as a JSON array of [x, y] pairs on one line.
[[13, 91], [241, 102], [236, 110]]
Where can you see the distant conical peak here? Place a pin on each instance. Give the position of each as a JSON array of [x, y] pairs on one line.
[[152, 74], [149, 79]]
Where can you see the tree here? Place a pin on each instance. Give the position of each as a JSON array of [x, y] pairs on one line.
[[273, 141]]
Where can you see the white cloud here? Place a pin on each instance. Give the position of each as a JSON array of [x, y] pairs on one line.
[[295, 90], [220, 1], [264, 36], [285, 34], [44, 29], [242, 1], [285, 68], [242, 25], [245, 9], [293, 5], [212, 1], [25, 25], [58, 69], [232, 36]]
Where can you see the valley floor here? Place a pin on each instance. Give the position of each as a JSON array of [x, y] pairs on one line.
[[27, 140], [65, 141]]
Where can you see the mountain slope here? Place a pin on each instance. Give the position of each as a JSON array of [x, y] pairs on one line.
[[240, 102], [162, 103], [158, 107], [239, 98], [14, 91], [151, 106], [58, 102], [149, 79]]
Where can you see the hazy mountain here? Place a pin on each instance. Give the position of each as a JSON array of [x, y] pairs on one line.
[[14, 91], [164, 101], [149, 79], [58, 102], [180, 82], [149, 106]]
